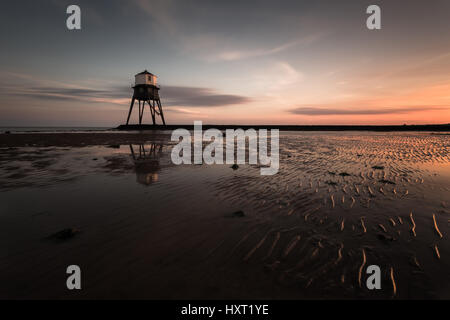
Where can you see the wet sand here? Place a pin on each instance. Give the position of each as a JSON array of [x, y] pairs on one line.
[[80, 139], [144, 228]]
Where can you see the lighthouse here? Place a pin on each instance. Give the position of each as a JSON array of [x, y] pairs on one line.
[[146, 90]]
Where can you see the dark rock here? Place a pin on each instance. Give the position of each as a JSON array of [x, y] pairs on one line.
[[344, 174], [378, 167], [238, 214], [234, 166], [272, 266], [386, 181], [384, 237], [64, 234]]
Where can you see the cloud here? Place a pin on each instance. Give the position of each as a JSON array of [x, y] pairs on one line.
[[178, 96], [214, 48], [240, 54], [310, 111], [113, 95], [79, 92], [199, 97], [48, 97], [160, 13], [282, 75], [171, 95]]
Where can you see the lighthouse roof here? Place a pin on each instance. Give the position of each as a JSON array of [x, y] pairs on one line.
[[145, 72]]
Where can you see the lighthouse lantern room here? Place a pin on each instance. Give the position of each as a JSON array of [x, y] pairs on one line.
[[146, 91], [145, 77]]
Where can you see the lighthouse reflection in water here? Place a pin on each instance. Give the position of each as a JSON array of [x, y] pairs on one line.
[[146, 159]]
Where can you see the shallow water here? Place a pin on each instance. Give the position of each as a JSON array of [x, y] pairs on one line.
[[149, 229]]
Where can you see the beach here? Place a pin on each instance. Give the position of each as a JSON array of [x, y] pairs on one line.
[[141, 227]]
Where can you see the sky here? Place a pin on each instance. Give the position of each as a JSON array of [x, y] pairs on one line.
[[226, 62]]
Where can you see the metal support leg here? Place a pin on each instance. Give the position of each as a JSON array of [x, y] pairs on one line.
[[141, 111], [161, 112], [152, 110], [131, 108]]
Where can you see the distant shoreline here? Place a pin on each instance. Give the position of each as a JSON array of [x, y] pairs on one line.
[[152, 128], [380, 128]]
